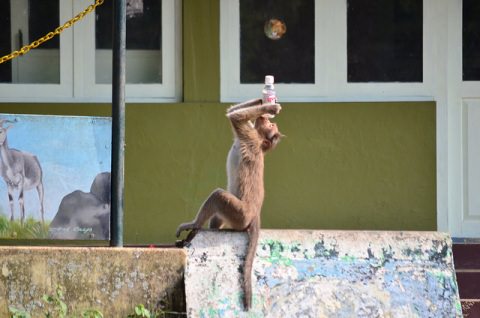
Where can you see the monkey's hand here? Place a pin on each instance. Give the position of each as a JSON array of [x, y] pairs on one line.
[[243, 115], [271, 109]]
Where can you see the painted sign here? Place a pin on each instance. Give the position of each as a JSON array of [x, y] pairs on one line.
[[55, 177], [339, 274]]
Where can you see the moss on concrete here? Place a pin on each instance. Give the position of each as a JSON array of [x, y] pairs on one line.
[[109, 279]]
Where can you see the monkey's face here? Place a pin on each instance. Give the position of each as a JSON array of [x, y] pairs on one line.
[[268, 132]]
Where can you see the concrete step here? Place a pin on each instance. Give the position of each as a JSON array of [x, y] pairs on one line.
[[324, 274], [112, 280]]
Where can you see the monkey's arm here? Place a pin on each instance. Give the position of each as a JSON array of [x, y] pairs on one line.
[[249, 103], [241, 118], [246, 113]]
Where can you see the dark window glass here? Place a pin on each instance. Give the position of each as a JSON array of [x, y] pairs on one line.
[[144, 25], [471, 40], [277, 37], [43, 18], [385, 40], [144, 42], [22, 22], [5, 41]]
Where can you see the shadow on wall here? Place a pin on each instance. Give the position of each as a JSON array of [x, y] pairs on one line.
[[84, 215]]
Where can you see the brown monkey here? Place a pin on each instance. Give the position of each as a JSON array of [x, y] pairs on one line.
[[239, 208]]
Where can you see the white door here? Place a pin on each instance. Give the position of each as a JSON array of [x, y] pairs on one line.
[[463, 120]]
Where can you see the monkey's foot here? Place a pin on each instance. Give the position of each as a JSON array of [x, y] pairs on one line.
[[185, 227], [188, 239], [191, 235], [181, 243]]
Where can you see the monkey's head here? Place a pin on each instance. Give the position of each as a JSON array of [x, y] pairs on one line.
[[269, 133]]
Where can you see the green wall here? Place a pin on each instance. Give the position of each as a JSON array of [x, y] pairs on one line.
[[341, 166]]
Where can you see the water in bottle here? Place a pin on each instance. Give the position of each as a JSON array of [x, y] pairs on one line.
[[268, 92]]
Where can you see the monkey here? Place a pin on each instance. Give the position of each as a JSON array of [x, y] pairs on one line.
[[239, 207]]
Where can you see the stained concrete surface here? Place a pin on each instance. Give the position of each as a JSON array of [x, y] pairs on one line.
[[324, 274], [112, 280]]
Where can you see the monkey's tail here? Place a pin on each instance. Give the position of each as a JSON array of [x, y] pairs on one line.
[[253, 233]]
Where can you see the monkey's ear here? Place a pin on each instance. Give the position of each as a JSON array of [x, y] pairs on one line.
[[271, 143], [276, 139], [266, 144]]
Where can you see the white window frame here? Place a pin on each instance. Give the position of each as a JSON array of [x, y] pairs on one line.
[[77, 64], [330, 61], [31, 92]]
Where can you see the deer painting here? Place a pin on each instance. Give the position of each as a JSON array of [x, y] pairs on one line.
[[21, 172]]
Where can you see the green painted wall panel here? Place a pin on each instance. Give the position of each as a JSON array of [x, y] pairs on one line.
[[201, 50], [341, 166]]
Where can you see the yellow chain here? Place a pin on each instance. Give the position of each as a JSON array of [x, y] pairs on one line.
[[52, 34]]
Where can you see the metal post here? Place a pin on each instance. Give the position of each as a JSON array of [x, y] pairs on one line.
[[118, 122]]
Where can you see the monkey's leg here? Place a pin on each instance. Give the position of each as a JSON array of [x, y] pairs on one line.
[[225, 204], [234, 211], [216, 223], [206, 211]]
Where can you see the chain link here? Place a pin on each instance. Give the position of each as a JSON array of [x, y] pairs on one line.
[[52, 34]]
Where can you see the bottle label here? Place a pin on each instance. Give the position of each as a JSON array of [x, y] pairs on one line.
[[270, 99]]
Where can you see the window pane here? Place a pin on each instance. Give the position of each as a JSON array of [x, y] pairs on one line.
[[5, 40], [277, 38], [22, 22], [39, 26], [385, 40], [471, 40], [144, 42]]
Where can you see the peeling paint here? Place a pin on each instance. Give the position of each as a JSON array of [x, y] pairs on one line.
[[324, 274]]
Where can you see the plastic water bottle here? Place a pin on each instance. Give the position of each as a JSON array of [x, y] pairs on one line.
[[269, 96]]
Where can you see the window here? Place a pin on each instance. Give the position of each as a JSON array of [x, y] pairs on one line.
[[5, 42], [144, 42], [23, 25], [384, 41], [77, 65], [268, 44], [328, 50], [471, 40]]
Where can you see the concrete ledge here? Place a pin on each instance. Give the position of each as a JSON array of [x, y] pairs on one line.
[[112, 280], [324, 274]]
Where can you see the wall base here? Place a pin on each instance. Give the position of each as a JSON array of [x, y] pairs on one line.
[[112, 280]]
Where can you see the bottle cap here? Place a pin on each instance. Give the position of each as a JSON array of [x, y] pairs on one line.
[[269, 79]]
